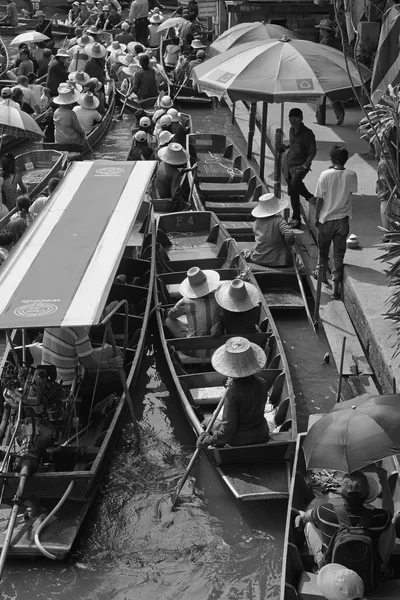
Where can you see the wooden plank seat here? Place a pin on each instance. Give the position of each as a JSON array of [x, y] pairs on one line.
[[230, 207], [214, 379], [239, 226], [275, 449], [209, 342], [223, 190]]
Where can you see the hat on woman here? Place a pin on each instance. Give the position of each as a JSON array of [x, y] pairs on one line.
[[145, 122], [325, 24], [93, 29], [165, 137], [140, 136], [89, 101], [198, 283], [94, 84], [173, 154], [238, 358], [62, 52], [85, 40], [173, 113], [335, 582], [127, 59], [131, 70], [116, 46], [66, 95], [269, 205], [95, 50], [165, 121], [166, 102], [237, 295], [197, 44], [156, 18], [79, 77], [71, 84]]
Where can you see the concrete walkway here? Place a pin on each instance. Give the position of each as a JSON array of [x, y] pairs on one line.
[[365, 287]]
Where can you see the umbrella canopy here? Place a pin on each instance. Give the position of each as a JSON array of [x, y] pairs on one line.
[[354, 434], [29, 36], [173, 22], [278, 71], [18, 123], [248, 32]]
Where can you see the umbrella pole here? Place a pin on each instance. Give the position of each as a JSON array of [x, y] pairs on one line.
[[341, 371], [263, 139], [233, 112], [252, 125]]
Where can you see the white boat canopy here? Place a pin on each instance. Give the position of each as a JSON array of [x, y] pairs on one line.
[[61, 271]]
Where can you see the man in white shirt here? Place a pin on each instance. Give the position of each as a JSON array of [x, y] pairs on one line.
[[22, 83], [333, 211], [6, 98], [86, 112]]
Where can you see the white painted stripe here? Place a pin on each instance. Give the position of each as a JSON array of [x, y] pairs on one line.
[[17, 265], [87, 303]]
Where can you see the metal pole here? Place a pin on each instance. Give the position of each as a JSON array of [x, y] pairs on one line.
[[252, 126], [263, 138], [341, 370], [278, 162]]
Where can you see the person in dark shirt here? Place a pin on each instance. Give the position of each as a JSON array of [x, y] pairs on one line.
[[144, 83], [328, 38], [18, 97], [45, 26], [95, 65], [301, 152], [57, 72], [240, 308]]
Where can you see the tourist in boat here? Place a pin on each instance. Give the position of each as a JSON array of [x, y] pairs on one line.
[[23, 206], [125, 37], [83, 19], [23, 47], [154, 38], [58, 72], [10, 181], [140, 149], [165, 138], [18, 97], [11, 17], [73, 12], [103, 18], [68, 133], [23, 85], [6, 98], [171, 54], [87, 113], [45, 26], [6, 244], [177, 128], [43, 65], [144, 83], [96, 64], [26, 65], [138, 14], [163, 124], [240, 308], [38, 205], [45, 99], [165, 104], [274, 238], [170, 182], [114, 19], [94, 86], [74, 40], [243, 420], [78, 55], [200, 58], [198, 304], [36, 89]]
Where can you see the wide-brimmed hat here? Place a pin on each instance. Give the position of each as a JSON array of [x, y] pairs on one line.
[[6, 92], [95, 50], [166, 102], [66, 95], [39, 13], [89, 101], [79, 77], [174, 114], [268, 205], [325, 24], [85, 40], [165, 137], [238, 358], [237, 295], [63, 53], [197, 44], [116, 46], [131, 45], [156, 18], [198, 283], [173, 154], [94, 83], [127, 59], [93, 30], [145, 122], [70, 84], [131, 70], [335, 582]]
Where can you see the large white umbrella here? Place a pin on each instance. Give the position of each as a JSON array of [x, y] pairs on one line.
[[29, 36], [248, 32], [172, 22], [18, 124]]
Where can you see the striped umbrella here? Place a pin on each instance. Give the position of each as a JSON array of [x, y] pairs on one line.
[[248, 32], [18, 124]]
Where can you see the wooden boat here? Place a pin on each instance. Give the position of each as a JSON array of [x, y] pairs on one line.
[[253, 472], [9, 141], [9, 30], [37, 167], [298, 580], [86, 236], [99, 131], [5, 59]]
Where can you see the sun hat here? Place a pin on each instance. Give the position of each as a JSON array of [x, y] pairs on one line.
[[76, 3], [131, 47], [71, 84], [125, 26], [89, 101], [66, 95], [165, 137], [197, 44], [85, 40], [145, 122], [95, 50], [173, 113], [156, 18], [140, 136], [39, 13], [335, 582], [296, 112], [6, 92], [94, 83], [127, 59], [131, 70], [166, 102], [116, 46], [237, 295], [200, 54], [79, 77], [269, 205], [173, 154], [62, 52], [198, 283], [238, 358], [165, 121], [106, 7], [156, 10], [93, 29], [373, 488], [354, 486], [325, 24]]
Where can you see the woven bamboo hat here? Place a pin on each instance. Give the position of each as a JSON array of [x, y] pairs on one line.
[[93, 29], [79, 77], [131, 70], [156, 18], [173, 154], [116, 46], [198, 283], [66, 95], [85, 40], [238, 358], [269, 205], [95, 50], [237, 295], [88, 101], [62, 53], [127, 60]]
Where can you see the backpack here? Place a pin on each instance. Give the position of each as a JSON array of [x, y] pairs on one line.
[[352, 547]]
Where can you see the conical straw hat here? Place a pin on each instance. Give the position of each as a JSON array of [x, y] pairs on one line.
[[173, 154], [238, 358], [89, 101], [198, 283], [237, 295], [66, 95], [269, 205], [95, 50]]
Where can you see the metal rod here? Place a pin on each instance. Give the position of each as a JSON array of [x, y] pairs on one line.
[[24, 346], [11, 344], [252, 126], [263, 138], [341, 370], [278, 162], [318, 296], [14, 513]]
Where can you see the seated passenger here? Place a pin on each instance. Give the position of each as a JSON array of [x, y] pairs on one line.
[[198, 304], [87, 113], [243, 420], [140, 149], [273, 236], [23, 205], [169, 183], [240, 304]]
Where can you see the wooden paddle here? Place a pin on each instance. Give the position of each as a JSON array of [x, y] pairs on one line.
[[303, 294], [339, 390], [179, 89], [184, 477], [128, 93]]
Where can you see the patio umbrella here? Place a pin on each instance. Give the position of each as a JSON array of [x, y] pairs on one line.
[[354, 434], [29, 36], [18, 124], [173, 22], [248, 32]]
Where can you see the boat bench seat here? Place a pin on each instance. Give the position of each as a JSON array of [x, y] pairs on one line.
[[308, 589], [224, 190], [231, 207]]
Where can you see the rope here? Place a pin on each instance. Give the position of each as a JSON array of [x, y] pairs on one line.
[[176, 244], [232, 171]]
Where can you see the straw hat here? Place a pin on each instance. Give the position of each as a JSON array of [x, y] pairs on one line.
[[156, 18], [131, 70], [325, 24], [166, 102], [237, 295], [145, 122], [71, 85], [165, 121], [93, 29], [62, 52], [335, 582], [269, 205], [238, 358], [374, 488], [85, 40], [66, 95], [173, 113], [116, 46], [165, 137], [197, 44], [79, 77], [89, 101], [127, 59], [173, 154], [140, 136], [38, 13], [94, 83], [198, 283], [95, 50], [131, 45]]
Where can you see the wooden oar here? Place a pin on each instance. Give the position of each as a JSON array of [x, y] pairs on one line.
[[303, 294], [182, 480], [179, 89], [341, 370], [119, 117]]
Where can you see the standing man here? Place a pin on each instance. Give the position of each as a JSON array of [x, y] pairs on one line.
[[333, 210], [328, 38], [11, 17], [138, 15], [57, 72], [301, 152]]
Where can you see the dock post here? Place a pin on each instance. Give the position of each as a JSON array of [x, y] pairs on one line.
[[252, 126]]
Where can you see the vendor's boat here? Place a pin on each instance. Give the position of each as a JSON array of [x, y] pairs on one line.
[[252, 472], [54, 455], [12, 29]]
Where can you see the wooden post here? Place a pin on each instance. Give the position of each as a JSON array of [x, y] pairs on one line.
[[278, 162], [263, 139], [233, 112], [252, 126]]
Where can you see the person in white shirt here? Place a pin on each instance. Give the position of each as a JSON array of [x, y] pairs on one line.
[[22, 83], [6, 98], [86, 112], [333, 211], [36, 88]]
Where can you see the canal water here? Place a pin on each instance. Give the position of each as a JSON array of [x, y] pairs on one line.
[[214, 548]]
